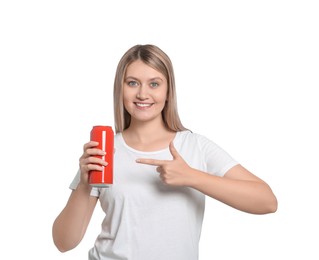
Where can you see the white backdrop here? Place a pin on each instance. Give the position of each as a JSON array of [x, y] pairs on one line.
[[246, 73]]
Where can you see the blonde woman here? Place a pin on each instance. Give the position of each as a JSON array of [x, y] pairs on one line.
[[162, 173]]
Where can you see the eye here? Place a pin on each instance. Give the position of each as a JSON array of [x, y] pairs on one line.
[[154, 84], [132, 83]]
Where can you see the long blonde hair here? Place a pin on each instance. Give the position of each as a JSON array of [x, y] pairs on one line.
[[154, 57]]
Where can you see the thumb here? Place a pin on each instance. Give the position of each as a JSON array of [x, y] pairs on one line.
[[173, 150]]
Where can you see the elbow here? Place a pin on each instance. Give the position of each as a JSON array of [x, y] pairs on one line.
[[270, 203], [64, 247], [273, 205], [264, 206], [64, 242], [61, 248], [268, 207]]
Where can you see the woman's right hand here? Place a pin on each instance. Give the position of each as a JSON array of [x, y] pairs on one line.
[[89, 161]]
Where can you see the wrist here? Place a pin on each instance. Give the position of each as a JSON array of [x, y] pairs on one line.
[[197, 179]]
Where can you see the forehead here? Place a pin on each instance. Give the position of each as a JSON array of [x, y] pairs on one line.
[[140, 69]]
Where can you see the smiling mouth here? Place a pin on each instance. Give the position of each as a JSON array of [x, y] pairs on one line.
[[143, 105]]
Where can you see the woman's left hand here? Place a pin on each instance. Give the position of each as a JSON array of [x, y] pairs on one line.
[[173, 172]]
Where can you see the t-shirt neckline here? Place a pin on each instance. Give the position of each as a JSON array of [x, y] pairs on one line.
[[144, 152]]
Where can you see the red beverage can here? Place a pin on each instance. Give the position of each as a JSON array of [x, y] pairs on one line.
[[104, 135]]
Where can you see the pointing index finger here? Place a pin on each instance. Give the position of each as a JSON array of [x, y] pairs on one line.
[[151, 161]]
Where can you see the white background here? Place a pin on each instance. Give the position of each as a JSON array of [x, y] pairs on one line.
[[247, 78]]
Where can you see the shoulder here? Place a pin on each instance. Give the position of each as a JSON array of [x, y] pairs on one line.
[[117, 136], [119, 143], [195, 141], [199, 143], [188, 136]]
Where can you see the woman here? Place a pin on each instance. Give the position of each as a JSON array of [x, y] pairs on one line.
[[162, 173]]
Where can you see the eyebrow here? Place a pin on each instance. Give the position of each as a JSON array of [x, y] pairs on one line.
[[152, 79]]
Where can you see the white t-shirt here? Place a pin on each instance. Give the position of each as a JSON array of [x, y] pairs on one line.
[[146, 219]]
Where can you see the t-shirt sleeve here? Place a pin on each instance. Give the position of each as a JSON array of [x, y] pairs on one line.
[[217, 160], [74, 184]]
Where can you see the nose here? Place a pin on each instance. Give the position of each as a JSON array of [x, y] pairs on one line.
[[141, 93]]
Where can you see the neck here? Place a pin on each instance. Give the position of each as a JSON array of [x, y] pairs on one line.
[[148, 136], [144, 132]]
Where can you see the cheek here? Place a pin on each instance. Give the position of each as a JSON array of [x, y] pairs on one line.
[[126, 103], [161, 98], [127, 97]]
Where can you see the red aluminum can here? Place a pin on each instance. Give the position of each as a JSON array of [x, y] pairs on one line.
[[104, 135]]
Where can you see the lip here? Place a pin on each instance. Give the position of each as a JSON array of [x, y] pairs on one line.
[[143, 105]]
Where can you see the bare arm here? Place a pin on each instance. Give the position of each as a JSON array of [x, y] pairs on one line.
[[239, 188], [70, 225]]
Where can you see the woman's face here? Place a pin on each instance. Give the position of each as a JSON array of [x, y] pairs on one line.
[[144, 92]]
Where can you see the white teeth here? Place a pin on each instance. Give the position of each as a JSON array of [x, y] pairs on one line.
[[143, 105]]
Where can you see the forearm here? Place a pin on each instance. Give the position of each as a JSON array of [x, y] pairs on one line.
[[249, 196], [70, 226]]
